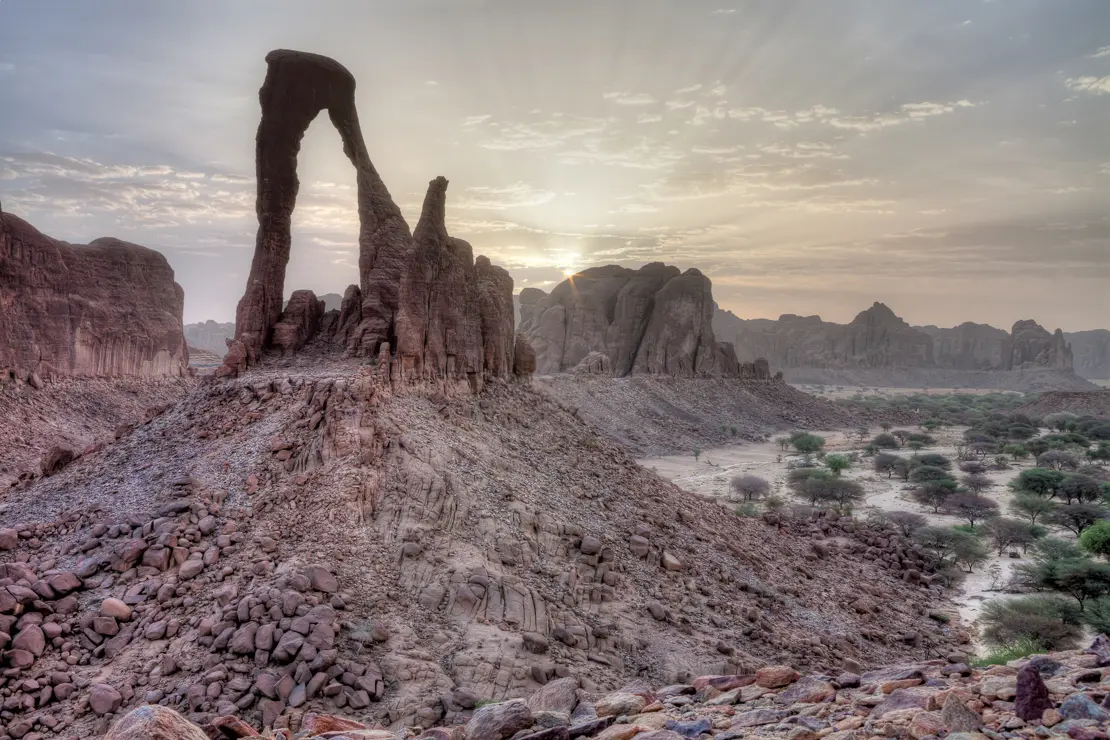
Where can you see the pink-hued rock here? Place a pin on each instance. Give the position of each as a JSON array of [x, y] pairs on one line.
[[105, 309], [654, 320], [153, 722], [297, 88]]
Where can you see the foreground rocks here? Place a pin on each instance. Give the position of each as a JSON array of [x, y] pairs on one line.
[[338, 541], [103, 309], [1055, 695]]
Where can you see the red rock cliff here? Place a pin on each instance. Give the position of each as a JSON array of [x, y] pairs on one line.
[[105, 309]]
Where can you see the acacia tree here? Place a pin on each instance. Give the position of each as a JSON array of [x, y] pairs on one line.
[[1080, 488], [934, 493], [1032, 506], [1096, 539], [977, 482], [1004, 533], [885, 462], [750, 487], [971, 506], [1076, 517], [837, 463], [907, 522]]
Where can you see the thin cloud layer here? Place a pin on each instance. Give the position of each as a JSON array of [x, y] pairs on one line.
[[949, 158]]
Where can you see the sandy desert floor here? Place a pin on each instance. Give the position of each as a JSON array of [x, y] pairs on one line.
[[714, 468]]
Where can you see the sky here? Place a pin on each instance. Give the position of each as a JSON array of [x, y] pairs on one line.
[[950, 158]]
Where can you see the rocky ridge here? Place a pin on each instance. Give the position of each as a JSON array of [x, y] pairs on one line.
[[1091, 352], [655, 321], [879, 348], [478, 546], [1063, 694], [210, 335], [104, 309]]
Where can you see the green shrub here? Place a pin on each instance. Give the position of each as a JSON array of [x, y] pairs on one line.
[[1049, 621], [1003, 654]]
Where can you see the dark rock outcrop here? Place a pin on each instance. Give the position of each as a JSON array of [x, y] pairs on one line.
[[1031, 345], [1090, 352], [969, 346], [654, 320], [297, 87], [423, 295], [105, 309]]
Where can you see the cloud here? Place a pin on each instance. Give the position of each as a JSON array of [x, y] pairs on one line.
[[1093, 85], [472, 121], [724, 11], [628, 98], [430, 83], [1101, 53], [679, 104], [517, 195], [688, 90], [6, 67], [544, 133], [1104, 169], [648, 118]]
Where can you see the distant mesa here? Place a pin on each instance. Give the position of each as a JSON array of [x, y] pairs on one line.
[[878, 340], [209, 336], [105, 309], [614, 320], [424, 306]]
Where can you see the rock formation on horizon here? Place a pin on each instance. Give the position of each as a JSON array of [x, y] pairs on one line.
[[104, 309], [877, 338], [422, 294], [210, 335], [655, 320], [1090, 352]]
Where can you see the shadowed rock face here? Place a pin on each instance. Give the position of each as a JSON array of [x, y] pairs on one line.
[[1031, 345], [1091, 352], [105, 309], [297, 87], [654, 320], [421, 294]]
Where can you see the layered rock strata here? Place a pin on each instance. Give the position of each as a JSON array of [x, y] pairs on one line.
[[104, 309]]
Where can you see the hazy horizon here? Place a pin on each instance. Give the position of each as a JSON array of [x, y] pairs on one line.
[[949, 160]]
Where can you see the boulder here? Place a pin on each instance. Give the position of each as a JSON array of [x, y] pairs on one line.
[[154, 722], [499, 721]]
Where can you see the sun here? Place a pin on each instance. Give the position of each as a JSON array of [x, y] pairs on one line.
[[568, 272]]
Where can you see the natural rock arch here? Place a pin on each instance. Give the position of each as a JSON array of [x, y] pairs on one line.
[[298, 86]]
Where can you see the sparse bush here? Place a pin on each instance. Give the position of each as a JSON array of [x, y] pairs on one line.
[[971, 506], [1096, 614], [885, 441], [749, 487], [747, 509], [1050, 622], [935, 460], [973, 467], [774, 502], [925, 473], [884, 462], [934, 493], [907, 522], [783, 443], [1057, 460], [1076, 517], [976, 482], [1031, 506], [837, 463], [1005, 533]]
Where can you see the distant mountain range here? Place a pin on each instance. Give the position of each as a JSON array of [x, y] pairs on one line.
[[211, 335], [878, 338]]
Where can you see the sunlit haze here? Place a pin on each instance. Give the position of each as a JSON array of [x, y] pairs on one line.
[[949, 158]]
